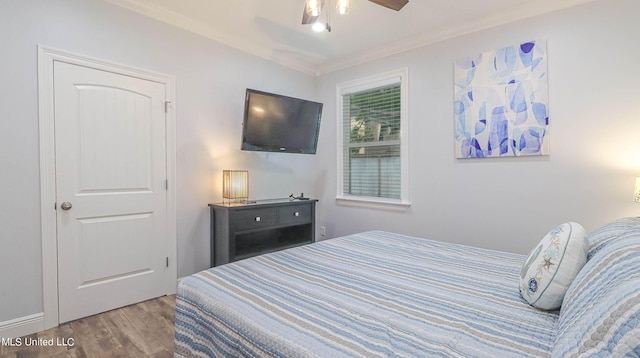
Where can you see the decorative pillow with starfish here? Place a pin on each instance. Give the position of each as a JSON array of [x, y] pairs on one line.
[[552, 265]]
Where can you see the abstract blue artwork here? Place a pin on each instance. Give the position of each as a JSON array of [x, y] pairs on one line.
[[501, 103]]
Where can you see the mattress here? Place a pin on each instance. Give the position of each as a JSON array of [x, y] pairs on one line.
[[373, 294]]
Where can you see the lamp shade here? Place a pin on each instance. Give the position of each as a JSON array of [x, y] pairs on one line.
[[235, 184], [313, 7], [636, 191], [342, 7]]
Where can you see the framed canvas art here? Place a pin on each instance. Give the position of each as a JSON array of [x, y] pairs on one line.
[[501, 105]]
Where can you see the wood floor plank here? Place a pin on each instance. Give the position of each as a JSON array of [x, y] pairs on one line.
[[145, 329]]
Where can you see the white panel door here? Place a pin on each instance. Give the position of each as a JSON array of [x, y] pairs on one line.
[[110, 140]]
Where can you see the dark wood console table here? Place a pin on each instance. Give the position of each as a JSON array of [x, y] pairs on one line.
[[239, 230]]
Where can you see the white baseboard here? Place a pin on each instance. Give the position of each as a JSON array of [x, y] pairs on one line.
[[22, 326]]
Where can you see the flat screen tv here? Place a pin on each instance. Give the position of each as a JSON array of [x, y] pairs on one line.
[[277, 123]]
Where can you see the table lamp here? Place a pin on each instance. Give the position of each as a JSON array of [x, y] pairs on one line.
[[235, 185]]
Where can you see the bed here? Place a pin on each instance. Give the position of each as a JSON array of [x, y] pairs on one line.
[[380, 294]]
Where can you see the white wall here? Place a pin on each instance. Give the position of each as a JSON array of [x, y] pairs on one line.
[[211, 79], [509, 204]]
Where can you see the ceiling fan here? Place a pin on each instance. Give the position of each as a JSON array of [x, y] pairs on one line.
[[313, 8]]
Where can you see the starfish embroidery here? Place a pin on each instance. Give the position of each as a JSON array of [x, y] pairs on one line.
[[547, 263]]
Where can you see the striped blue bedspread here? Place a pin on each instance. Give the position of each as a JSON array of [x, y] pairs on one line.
[[373, 294]]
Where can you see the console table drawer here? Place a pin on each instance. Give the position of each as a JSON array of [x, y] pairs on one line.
[[254, 218], [295, 214]]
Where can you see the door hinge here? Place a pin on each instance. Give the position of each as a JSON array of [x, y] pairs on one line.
[[166, 106], [55, 206], [167, 261], [166, 184]]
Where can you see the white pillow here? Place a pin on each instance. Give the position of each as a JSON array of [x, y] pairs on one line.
[[551, 266]]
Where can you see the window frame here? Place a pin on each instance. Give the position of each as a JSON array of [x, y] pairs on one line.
[[400, 76]]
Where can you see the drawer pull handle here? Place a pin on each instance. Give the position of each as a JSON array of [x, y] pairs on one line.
[[296, 214], [257, 218]]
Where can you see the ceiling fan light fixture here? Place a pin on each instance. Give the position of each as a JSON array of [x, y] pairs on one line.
[[342, 7], [313, 7]]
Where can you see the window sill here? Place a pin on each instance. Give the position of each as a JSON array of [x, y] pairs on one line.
[[373, 203]]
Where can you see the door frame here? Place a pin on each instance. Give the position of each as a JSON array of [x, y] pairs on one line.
[[46, 58]]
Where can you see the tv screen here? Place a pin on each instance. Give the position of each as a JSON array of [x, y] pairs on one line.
[[276, 123]]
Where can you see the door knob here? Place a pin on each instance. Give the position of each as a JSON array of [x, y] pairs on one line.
[[66, 205]]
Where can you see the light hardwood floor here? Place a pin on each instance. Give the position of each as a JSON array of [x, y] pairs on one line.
[[141, 330]]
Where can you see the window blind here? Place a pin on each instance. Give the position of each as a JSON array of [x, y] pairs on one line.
[[371, 135]]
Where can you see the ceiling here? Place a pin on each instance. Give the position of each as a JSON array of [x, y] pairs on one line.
[[272, 29]]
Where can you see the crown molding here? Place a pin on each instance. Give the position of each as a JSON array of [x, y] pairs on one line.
[[527, 10], [521, 13]]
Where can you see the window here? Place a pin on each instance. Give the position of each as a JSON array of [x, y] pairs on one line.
[[372, 133]]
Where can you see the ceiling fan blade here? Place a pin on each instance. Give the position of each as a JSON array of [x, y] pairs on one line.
[[306, 18], [391, 4]]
